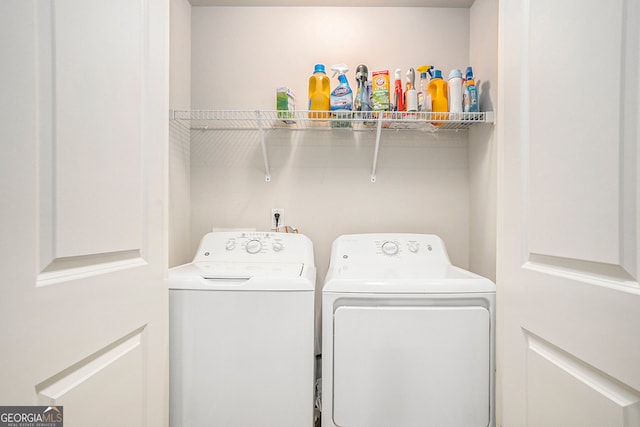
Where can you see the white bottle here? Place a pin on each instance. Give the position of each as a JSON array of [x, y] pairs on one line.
[[455, 93]]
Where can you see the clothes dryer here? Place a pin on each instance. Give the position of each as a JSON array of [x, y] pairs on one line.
[[408, 338], [242, 332]]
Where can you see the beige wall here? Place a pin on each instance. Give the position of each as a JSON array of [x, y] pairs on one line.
[[179, 136], [239, 55], [483, 167]]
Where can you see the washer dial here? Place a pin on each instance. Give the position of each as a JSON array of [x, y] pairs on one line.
[[390, 248], [253, 246]]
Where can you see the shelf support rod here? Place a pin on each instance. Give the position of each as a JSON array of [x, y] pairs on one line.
[[267, 173], [376, 149]]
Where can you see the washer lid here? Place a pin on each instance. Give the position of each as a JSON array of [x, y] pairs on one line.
[[247, 270], [242, 276]]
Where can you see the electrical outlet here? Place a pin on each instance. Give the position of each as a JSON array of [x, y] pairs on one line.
[[280, 221]]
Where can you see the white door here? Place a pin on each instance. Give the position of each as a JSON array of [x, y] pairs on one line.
[[568, 296], [83, 131]]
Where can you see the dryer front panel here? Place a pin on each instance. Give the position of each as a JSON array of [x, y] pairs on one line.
[[411, 366]]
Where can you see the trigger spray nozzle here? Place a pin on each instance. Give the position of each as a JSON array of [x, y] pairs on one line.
[[411, 77], [339, 69], [424, 70]]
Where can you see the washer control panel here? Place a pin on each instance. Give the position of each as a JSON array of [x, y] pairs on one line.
[[253, 246]]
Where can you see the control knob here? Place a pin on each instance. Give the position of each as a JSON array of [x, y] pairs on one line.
[[390, 248], [254, 246], [414, 247], [277, 246]]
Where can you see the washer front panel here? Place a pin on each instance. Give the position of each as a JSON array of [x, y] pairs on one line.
[[411, 366]]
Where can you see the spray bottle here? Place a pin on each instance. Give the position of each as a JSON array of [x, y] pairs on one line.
[[363, 98], [398, 95], [341, 97], [424, 99], [411, 94]]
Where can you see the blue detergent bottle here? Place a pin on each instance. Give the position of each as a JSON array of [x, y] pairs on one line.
[[470, 100]]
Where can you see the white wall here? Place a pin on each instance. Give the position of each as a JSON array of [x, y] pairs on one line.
[[483, 55], [242, 54], [179, 137], [321, 178]]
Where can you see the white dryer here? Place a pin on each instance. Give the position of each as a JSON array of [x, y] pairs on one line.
[[242, 332], [408, 339]]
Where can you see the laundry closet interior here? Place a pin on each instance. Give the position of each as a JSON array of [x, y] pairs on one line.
[[232, 58]]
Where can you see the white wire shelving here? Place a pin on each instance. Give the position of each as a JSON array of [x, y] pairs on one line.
[[264, 120]]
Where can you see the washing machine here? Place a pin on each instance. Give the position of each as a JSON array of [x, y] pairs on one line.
[[407, 338], [242, 332]]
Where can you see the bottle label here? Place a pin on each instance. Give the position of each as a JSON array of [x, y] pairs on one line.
[[340, 91]]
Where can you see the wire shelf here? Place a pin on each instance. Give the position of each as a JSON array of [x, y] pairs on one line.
[[264, 120], [273, 119]]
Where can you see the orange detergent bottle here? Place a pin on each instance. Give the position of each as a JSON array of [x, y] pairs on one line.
[[439, 98], [319, 93]]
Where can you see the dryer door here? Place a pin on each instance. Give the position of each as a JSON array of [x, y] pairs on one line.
[[411, 366]]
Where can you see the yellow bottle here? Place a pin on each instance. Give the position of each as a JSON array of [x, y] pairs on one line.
[[439, 98], [319, 93]]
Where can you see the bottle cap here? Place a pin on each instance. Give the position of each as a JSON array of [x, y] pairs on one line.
[[455, 74], [469, 73], [319, 68], [437, 74]]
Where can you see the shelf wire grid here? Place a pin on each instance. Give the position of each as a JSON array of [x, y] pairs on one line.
[[357, 120]]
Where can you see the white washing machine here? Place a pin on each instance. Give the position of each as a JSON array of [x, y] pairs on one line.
[[408, 339], [242, 332]]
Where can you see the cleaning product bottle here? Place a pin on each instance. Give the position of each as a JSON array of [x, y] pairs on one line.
[[439, 99], [319, 93], [424, 99], [470, 96], [341, 98], [398, 95], [363, 97], [468, 72], [380, 93], [454, 90], [411, 94]]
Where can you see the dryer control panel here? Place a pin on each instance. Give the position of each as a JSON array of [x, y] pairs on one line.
[[388, 247]]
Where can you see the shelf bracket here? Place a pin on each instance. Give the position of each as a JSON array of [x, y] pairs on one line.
[[267, 172], [376, 149]]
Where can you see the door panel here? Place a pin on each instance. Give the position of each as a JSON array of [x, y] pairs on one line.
[[569, 297], [83, 250], [121, 365], [574, 132], [563, 391], [86, 90]]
